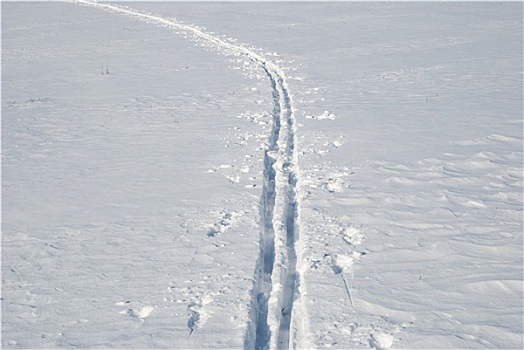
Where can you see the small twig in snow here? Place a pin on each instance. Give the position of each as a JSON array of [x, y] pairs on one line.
[[347, 290]]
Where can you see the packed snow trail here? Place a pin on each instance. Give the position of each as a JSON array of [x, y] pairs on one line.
[[278, 279]]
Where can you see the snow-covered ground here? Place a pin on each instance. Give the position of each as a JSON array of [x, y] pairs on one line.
[[228, 175]]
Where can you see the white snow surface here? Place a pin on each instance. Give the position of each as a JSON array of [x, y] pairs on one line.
[[262, 175]]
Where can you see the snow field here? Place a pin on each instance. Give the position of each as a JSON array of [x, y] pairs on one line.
[[283, 206], [406, 211], [102, 181], [442, 262]]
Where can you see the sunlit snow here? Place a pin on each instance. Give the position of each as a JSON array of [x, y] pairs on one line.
[[262, 175]]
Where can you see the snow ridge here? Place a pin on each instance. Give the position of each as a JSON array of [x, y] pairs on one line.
[[278, 282]]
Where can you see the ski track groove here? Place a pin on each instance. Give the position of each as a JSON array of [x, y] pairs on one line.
[[277, 278]]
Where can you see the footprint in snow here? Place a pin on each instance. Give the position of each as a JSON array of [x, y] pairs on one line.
[[135, 310], [194, 317], [352, 236], [197, 316], [325, 115], [381, 341], [226, 220], [341, 263]]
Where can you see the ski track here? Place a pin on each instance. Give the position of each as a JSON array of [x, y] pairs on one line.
[[273, 323]]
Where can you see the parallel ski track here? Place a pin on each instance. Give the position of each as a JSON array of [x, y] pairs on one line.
[[278, 278]]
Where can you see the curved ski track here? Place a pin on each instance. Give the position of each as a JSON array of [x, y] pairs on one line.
[[273, 325]]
